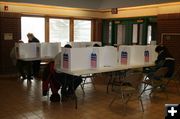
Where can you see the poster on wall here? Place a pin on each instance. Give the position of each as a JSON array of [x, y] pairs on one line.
[[8, 36], [168, 37]]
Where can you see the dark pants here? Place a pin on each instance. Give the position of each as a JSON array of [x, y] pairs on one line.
[[170, 64], [36, 67], [68, 82], [22, 67], [51, 83]]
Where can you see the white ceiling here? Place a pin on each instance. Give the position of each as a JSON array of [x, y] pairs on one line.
[[95, 4]]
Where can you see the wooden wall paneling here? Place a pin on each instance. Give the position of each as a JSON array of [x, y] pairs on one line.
[[170, 24], [10, 23], [97, 30]]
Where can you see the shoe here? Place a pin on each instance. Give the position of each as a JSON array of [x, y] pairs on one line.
[[55, 98]]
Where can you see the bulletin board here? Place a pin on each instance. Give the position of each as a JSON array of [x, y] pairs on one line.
[[167, 37]]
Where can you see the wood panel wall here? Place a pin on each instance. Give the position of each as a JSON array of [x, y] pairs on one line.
[[9, 23], [170, 24], [97, 30]]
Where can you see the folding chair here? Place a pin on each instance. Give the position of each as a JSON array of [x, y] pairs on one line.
[[175, 79], [129, 89], [155, 81], [84, 81], [115, 79]]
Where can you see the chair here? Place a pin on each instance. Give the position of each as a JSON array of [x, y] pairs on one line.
[[155, 81], [84, 81], [129, 89], [115, 79], [175, 78]]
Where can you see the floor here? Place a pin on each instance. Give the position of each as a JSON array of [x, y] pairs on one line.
[[22, 99]]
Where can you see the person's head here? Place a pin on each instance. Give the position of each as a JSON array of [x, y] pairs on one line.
[[30, 36], [68, 46], [96, 45], [159, 48]]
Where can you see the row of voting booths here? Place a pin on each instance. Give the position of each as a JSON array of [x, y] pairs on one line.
[[108, 56], [45, 50], [37, 50], [83, 55]]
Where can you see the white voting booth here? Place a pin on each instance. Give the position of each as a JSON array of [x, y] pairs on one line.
[[75, 58], [37, 50], [49, 50], [103, 57], [88, 58], [27, 50], [137, 54]]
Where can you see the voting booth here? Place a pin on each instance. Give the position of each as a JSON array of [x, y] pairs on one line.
[[137, 54], [103, 57], [75, 58], [27, 50], [49, 50]]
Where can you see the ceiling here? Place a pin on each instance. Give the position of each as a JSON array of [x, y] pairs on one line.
[[94, 4]]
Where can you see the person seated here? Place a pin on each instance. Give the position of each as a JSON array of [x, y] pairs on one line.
[[49, 81], [68, 84], [164, 59]]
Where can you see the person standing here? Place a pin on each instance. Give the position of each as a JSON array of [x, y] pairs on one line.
[[36, 63], [20, 64]]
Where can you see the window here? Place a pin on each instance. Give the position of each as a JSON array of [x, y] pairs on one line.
[[135, 34], [149, 34], [110, 32], [59, 30], [35, 25], [121, 34], [82, 30]]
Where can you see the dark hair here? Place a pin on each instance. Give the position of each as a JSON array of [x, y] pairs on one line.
[[68, 46], [96, 45], [159, 48]]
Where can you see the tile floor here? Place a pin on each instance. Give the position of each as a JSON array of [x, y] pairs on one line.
[[22, 99]]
